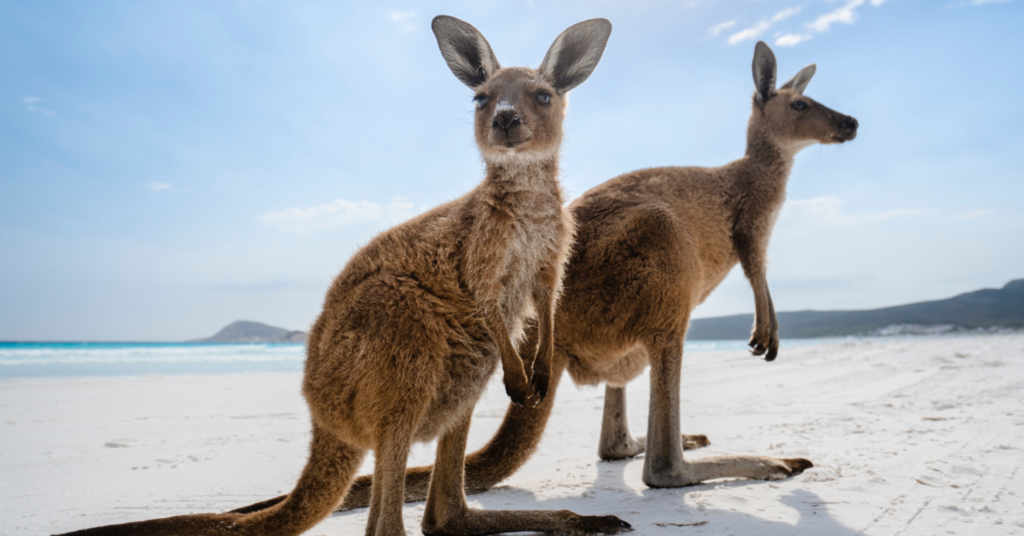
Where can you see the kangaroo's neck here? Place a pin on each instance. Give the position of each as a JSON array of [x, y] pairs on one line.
[[761, 175], [511, 176], [766, 161]]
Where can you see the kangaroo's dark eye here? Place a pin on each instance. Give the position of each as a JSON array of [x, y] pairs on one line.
[[799, 106], [480, 100], [544, 97]]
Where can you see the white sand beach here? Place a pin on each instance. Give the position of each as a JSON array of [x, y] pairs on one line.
[[911, 436]]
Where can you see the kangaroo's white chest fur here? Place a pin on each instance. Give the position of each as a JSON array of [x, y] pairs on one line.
[[539, 229]]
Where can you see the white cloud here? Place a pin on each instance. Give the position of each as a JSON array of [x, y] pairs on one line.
[[828, 210], [30, 105], [756, 30], [753, 32], [785, 14], [718, 28], [974, 214], [844, 15], [158, 186], [789, 40], [847, 14], [338, 213], [963, 3], [404, 19]]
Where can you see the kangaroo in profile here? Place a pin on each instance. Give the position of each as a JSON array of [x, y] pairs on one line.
[[419, 318], [650, 246]]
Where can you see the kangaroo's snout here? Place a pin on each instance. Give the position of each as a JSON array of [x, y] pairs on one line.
[[507, 127], [505, 117], [847, 129]]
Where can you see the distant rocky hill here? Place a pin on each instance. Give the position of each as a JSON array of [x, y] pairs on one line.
[[246, 331], [983, 309]]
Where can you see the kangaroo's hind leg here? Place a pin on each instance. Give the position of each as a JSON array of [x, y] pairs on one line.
[[388, 491], [664, 466], [616, 442], [511, 447], [448, 514]]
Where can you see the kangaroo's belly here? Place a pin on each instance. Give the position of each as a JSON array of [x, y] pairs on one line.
[[635, 276], [615, 365]]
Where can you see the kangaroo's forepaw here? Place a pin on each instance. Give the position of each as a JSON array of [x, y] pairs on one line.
[[519, 395], [764, 343], [539, 383], [518, 388], [598, 525]]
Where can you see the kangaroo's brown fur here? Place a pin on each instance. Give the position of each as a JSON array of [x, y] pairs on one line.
[[650, 246], [418, 320]]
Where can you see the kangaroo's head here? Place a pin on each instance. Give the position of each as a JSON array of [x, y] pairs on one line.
[[519, 111], [786, 115]]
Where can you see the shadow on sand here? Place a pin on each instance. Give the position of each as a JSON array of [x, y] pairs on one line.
[[665, 511]]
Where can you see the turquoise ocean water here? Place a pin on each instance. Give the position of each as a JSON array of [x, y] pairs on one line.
[[43, 359], [50, 359]]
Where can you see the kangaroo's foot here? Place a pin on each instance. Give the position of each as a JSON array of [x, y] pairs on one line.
[[664, 465], [692, 442], [627, 447], [631, 447], [446, 511], [469, 522], [697, 471]]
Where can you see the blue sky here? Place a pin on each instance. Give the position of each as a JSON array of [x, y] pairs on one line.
[[168, 167]]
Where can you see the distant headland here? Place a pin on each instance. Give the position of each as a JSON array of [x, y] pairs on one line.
[[982, 310], [979, 311], [248, 331]]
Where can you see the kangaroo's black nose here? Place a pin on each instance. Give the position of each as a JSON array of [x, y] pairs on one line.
[[505, 119], [849, 123]]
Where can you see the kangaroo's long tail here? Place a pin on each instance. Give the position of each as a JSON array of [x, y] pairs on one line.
[[331, 468]]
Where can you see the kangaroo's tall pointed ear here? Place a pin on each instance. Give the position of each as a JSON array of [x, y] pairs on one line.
[[468, 54], [575, 53], [764, 72], [799, 82]]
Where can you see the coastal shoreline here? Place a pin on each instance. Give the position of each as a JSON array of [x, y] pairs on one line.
[[908, 434]]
